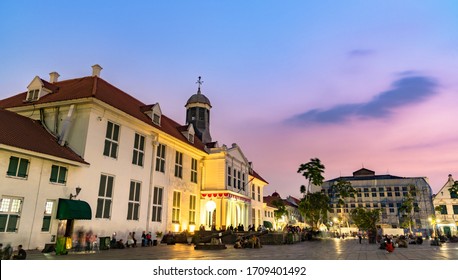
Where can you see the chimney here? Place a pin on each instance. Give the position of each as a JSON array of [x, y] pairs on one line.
[[53, 76], [96, 70]]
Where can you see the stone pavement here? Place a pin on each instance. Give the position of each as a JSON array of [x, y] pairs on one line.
[[325, 249]]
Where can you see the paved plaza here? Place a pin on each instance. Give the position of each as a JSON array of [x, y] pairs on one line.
[[325, 249]]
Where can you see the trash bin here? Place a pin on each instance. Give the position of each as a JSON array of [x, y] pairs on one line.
[[61, 248], [104, 243]]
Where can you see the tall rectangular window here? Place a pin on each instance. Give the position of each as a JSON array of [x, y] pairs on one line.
[[443, 209], [111, 140], [229, 176], [58, 174], [253, 216], [259, 217], [105, 197], [455, 209], [10, 212], [134, 200], [178, 164], [192, 209], [239, 180], [139, 150], [194, 170], [46, 225], [253, 193], [18, 167], [243, 181], [176, 207], [160, 158], [234, 177], [259, 193], [157, 205]]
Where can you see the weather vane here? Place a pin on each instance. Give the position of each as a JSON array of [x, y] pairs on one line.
[[200, 82]]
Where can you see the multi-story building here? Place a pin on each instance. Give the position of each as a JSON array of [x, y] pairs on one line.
[[293, 216], [384, 192], [139, 169], [446, 206]]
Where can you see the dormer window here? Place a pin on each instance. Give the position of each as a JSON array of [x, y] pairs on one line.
[[154, 112], [191, 138], [33, 95], [157, 119]]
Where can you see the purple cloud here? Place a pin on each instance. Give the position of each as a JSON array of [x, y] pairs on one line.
[[403, 92]]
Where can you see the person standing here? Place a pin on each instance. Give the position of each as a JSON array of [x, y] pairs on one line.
[[360, 237]]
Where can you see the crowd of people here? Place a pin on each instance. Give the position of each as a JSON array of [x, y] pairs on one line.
[[8, 253]]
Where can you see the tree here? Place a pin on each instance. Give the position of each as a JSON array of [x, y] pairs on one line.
[[454, 190], [366, 220], [408, 208], [315, 207], [312, 171], [281, 209], [343, 189]]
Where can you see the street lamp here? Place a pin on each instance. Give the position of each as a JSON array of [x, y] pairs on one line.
[[78, 189], [337, 221]]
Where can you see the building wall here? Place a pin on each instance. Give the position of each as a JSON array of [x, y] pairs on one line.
[[34, 191], [390, 213]]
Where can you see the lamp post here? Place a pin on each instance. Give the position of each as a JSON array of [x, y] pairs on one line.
[[78, 190], [337, 221]]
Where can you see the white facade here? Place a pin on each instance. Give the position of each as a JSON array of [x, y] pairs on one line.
[[164, 191], [446, 205]]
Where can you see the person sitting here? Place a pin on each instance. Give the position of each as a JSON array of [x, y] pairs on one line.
[[21, 254], [149, 241], [389, 245]]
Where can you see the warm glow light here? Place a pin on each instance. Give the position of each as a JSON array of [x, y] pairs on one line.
[[176, 227], [192, 228], [210, 206]]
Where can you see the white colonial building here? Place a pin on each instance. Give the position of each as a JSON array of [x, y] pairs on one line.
[[446, 206], [135, 168]]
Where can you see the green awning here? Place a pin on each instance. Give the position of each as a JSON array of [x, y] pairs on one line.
[[73, 209], [268, 224]]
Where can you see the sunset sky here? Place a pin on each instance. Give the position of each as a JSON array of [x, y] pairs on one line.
[[357, 84]]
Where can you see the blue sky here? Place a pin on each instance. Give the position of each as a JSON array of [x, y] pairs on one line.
[[355, 83]]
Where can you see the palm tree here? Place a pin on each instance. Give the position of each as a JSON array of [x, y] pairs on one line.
[[312, 171]]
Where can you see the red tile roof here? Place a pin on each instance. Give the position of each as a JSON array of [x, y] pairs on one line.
[[25, 133], [257, 176], [93, 86], [96, 87]]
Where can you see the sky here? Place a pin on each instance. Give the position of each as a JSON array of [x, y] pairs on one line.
[[356, 84]]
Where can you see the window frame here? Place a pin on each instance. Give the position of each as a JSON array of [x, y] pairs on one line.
[[192, 209], [133, 205], [138, 152], [178, 165], [13, 208], [160, 158], [111, 146], [156, 210], [58, 175], [176, 207], [105, 197], [18, 167], [194, 170]]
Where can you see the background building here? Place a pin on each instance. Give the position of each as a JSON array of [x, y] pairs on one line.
[[385, 192], [446, 206]]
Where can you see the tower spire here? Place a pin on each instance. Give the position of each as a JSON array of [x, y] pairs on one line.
[[200, 82]]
